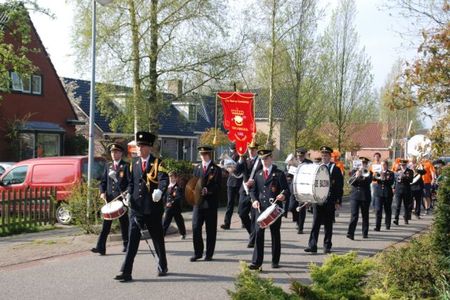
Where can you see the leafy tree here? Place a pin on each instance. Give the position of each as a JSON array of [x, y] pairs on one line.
[[14, 27]]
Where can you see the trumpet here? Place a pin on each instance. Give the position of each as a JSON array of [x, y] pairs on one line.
[[364, 174], [380, 175]]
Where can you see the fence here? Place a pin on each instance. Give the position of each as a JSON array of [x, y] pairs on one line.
[[26, 208]]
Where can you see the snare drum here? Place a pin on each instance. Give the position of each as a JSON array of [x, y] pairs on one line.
[[270, 215], [113, 210], [311, 183]]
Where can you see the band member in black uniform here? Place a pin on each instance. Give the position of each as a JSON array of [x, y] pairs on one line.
[[299, 216], [148, 182], [403, 179], [173, 200], [206, 211], [269, 183], [417, 186], [114, 182], [360, 180], [233, 185], [247, 166], [383, 196], [324, 214]]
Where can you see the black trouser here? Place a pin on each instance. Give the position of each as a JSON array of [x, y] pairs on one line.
[[174, 212], [232, 196], [380, 203], [417, 197], [258, 251], [322, 214], [153, 223], [404, 197], [298, 216], [247, 215], [106, 228], [355, 206], [209, 217]]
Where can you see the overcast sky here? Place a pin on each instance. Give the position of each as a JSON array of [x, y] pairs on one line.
[[378, 33]]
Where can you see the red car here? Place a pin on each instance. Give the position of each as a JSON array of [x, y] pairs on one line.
[[61, 172]]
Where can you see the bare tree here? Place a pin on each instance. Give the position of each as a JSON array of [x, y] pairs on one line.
[[348, 80], [156, 41]]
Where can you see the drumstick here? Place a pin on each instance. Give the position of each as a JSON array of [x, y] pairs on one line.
[[300, 207]]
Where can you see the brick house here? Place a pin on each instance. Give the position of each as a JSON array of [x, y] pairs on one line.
[[36, 110]]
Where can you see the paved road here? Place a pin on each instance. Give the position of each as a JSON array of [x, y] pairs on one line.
[[73, 272]]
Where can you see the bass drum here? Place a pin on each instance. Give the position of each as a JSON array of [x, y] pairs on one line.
[[311, 183]]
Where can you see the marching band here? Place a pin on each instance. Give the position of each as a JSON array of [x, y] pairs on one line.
[[265, 192]]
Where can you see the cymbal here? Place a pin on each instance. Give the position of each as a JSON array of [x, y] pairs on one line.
[[193, 191]]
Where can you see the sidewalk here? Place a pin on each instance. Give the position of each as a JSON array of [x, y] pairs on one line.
[[62, 256]]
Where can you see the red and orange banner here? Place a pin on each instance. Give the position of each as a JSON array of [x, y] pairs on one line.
[[238, 118]]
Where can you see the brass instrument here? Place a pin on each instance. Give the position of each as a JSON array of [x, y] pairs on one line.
[[418, 172], [358, 166], [228, 164]]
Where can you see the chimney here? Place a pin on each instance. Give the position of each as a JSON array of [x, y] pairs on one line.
[[175, 87]]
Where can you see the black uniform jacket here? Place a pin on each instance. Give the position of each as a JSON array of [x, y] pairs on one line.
[[361, 187], [270, 188], [115, 181], [383, 188], [211, 180], [336, 185], [403, 181], [141, 189], [174, 196], [245, 168]]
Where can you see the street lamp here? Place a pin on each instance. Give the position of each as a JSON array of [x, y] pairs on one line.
[[92, 103]]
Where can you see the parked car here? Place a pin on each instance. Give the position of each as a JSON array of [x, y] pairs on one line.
[[62, 172], [5, 166]]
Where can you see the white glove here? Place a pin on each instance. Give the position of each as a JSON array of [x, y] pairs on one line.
[[157, 194], [126, 199]]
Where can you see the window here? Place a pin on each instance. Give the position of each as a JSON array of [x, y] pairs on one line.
[[16, 175], [26, 145], [48, 144], [16, 82], [37, 84], [192, 117], [26, 84]]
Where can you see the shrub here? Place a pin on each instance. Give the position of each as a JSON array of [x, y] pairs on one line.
[[409, 272], [340, 277], [77, 205], [441, 227], [249, 285]]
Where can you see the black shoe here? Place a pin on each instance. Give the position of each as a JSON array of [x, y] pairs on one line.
[[349, 236], [208, 258], [124, 249], [101, 252], [388, 227], [395, 222], [195, 258], [254, 267], [123, 277], [376, 229], [183, 236], [275, 266], [299, 231], [162, 273], [312, 250], [327, 250], [365, 236], [406, 221], [250, 245], [225, 226]]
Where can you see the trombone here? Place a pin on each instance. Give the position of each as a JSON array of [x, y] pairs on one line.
[[358, 166]]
